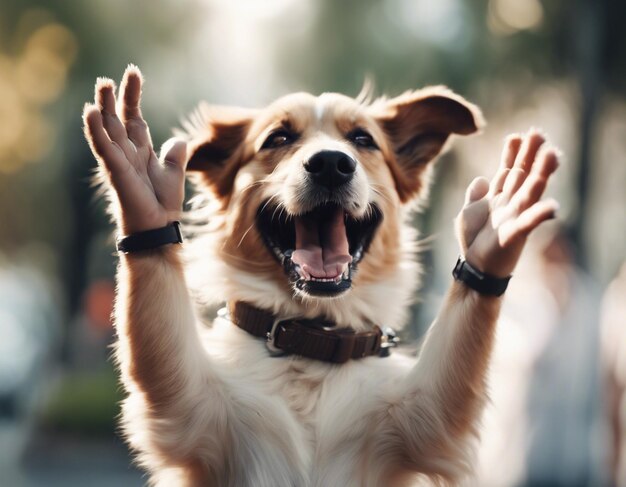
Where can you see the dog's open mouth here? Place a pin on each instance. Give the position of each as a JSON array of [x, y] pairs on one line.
[[319, 250]]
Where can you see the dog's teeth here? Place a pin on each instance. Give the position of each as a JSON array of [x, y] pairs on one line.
[[302, 273]]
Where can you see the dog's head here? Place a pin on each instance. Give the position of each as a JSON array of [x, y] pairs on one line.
[[311, 189]]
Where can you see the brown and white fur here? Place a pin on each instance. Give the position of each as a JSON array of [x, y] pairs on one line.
[[209, 405]]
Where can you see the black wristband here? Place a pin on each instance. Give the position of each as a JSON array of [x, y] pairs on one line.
[[479, 281], [150, 239]]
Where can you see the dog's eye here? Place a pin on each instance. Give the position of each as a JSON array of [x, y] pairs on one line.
[[361, 138], [278, 138]]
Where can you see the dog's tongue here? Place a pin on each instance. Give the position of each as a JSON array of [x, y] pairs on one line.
[[322, 248]]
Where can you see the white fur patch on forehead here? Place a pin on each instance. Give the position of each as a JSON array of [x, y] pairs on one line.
[[333, 104], [320, 105]]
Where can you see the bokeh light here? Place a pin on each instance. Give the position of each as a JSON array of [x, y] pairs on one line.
[[30, 81]]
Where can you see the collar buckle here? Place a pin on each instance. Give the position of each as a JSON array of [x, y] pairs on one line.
[[270, 342], [388, 340]]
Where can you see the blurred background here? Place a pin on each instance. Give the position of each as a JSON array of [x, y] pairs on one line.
[[558, 412]]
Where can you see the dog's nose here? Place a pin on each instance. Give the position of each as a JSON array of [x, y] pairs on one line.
[[330, 168]]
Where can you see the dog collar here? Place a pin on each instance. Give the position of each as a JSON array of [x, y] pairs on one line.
[[316, 339]]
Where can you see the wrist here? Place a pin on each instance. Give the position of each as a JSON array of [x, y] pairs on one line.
[[166, 252], [471, 296], [151, 239], [499, 270], [484, 283], [131, 222], [127, 227], [147, 262]]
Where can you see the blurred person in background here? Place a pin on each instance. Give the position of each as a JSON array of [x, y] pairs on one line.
[[564, 401], [543, 426], [613, 355]]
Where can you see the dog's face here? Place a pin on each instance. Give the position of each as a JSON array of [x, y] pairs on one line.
[[311, 188]]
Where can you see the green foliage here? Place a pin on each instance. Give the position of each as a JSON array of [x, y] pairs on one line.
[[86, 403]]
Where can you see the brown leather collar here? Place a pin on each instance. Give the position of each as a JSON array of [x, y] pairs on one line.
[[309, 338]]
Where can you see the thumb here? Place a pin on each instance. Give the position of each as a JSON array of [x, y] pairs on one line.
[[477, 189], [474, 213], [174, 153]]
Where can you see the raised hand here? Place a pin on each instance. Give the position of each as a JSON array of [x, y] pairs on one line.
[[150, 191], [499, 215]]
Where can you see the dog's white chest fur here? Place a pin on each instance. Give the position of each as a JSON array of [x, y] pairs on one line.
[[310, 419]]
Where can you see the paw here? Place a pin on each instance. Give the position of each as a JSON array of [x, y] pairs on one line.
[[150, 191], [498, 215]]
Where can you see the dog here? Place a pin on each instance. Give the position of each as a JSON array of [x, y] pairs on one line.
[[300, 227]]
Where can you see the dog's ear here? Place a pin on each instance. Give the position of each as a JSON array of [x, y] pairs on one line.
[[417, 125], [216, 147]]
